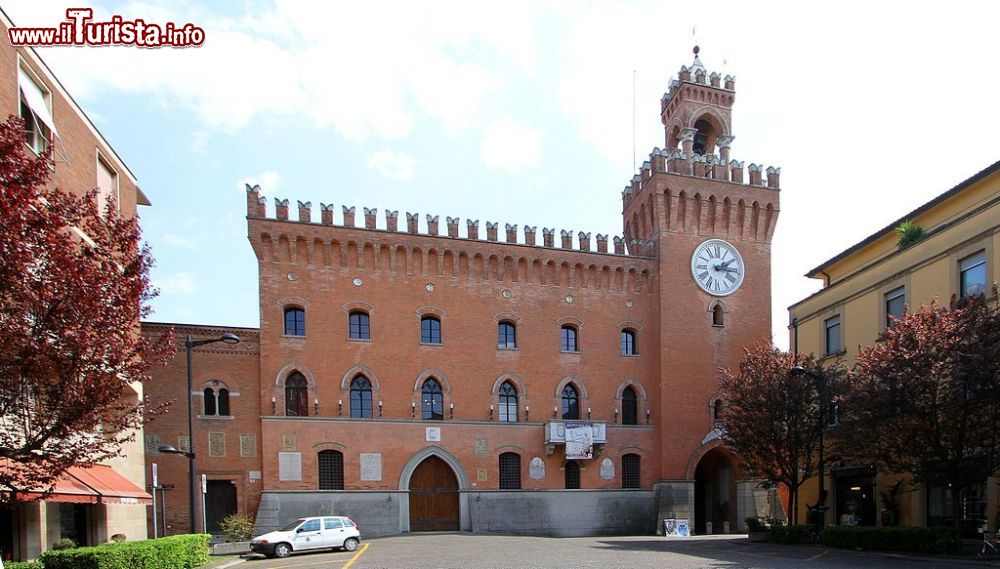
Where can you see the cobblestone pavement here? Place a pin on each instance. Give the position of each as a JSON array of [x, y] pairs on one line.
[[469, 551]]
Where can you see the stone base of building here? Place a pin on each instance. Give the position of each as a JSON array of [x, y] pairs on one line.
[[673, 499], [557, 513]]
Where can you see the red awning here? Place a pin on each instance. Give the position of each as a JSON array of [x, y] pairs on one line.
[[66, 489], [113, 488]]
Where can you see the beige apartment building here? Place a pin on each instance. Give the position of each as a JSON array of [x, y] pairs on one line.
[[90, 503], [876, 279]]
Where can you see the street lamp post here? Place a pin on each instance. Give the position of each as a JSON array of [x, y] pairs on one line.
[[821, 466], [190, 344]]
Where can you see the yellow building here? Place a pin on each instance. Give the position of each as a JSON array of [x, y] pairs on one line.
[[875, 279]]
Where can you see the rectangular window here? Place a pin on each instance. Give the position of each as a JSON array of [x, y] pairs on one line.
[[36, 110], [510, 471], [972, 275], [360, 327], [107, 186], [631, 477], [895, 305], [832, 326]]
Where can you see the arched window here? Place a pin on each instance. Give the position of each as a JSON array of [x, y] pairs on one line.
[[295, 321], [572, 471], [569, 343], [718, 317], [704, 138], [209, 396], [570, 402], [430, 330], [631, 475], [508, 403], [630, 407], [717, 409], [510, 471], [628, 342], [224, 402], [359, 326], [506, 335], [331, 469], [361, 398], [432, 401], [296, 396]]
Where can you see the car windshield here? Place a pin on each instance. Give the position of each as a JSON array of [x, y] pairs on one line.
[[293, 525]]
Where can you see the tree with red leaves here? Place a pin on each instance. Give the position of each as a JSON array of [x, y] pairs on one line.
[[771, 415], [925, 399], [73, 286]]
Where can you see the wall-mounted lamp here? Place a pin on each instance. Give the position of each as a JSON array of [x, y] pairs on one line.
[[555, 412], [274, 405], [588, 413], [315, 406], [413, 409], [340, 407], [379, 407], [527, 412], [491, 411], [451, 410], [647, 416], [616, 415]]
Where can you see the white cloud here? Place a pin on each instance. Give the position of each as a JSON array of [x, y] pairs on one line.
[[311, 67], [392, 164], [177, 283], [268, 180], [511, 146]]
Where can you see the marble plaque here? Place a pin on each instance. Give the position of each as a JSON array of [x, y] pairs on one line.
[[607, 469], [536, 468], [482, 447], [288, 442], [481, 474], [153, 444], [254, 475], [216, 444], [289, 466], [433, 434], [184, 443], [371, 466]]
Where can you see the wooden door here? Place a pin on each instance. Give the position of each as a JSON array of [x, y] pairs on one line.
[[433, 497], [220, 501]]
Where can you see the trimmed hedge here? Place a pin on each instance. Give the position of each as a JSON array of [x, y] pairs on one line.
[[791, 535], [908, 539], [23, 565], [174, 552]]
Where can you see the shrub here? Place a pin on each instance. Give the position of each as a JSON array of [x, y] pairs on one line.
[[909, 233], [64, 543], [23, 565], [174, 552], [791, 535], [755, 525], [237, 527], [912, 540]]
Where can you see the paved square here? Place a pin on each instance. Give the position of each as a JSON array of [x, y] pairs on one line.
[[470, 551]]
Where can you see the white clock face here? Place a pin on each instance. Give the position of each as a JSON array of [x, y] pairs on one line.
[[717, 267]]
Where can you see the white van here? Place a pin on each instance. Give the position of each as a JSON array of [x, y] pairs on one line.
[[309, 534]]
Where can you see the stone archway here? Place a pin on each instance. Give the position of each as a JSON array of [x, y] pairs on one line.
[[436, 486], [715, 495]]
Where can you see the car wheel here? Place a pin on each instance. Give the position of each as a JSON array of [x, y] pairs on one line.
[[282, 550], [350, 544]]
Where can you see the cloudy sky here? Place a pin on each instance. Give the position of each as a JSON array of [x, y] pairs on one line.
[[523, 113]]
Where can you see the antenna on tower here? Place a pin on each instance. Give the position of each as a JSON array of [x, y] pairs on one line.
[[633, 120]]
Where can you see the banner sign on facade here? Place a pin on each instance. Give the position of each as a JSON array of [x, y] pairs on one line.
[[676, 527], [579, 441]]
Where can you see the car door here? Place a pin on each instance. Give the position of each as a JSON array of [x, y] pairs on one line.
[[309, 535], [334, 532]]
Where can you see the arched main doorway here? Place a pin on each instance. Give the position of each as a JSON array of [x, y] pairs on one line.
[[715, 492], [434, 497]]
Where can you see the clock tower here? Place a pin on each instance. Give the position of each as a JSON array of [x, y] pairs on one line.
[[708, 222]]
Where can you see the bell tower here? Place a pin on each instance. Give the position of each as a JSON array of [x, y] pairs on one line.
[[708, 222]]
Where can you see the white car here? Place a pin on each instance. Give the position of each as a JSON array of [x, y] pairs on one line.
[[309, 534]]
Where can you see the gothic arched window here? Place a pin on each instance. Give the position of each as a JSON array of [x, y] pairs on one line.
[[630, 407], [361, 398], [432, 401], [508, 403], [296, 396], [570, 402]]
